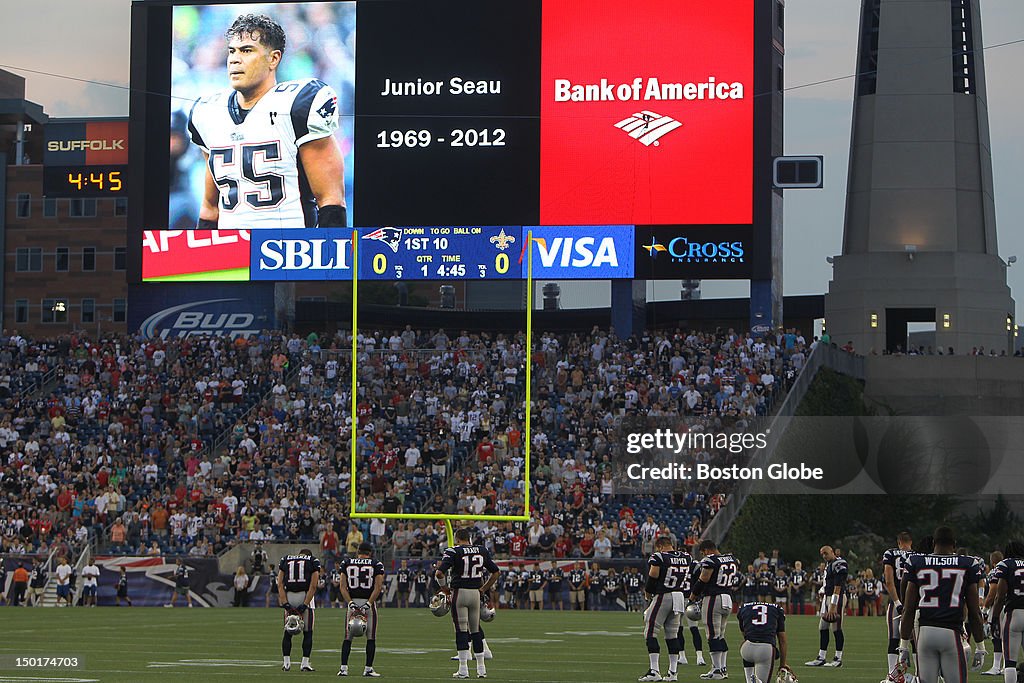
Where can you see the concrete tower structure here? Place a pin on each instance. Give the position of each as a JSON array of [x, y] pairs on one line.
[[919, 241]]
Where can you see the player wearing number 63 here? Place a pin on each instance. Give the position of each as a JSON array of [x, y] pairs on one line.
[[298, 577], [467, 564], [668, 571], [362, 580], [762, 624], [271, 157], [714, 586]]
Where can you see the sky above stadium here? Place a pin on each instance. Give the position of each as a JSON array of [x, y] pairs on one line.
[[90, 41]]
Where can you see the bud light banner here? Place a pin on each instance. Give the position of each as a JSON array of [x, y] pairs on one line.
[[669, 252], [185, 310]]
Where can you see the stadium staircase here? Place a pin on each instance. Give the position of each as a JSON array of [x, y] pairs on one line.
[[822, 356], [49, 598]]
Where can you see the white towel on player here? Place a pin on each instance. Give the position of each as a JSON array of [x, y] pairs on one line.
[[678, 602]]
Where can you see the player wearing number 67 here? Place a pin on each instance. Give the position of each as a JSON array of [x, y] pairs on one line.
[[940, 584], [668, 571], [468, 565], [362, 580], [271, 157], [714, 586], [762, 624]]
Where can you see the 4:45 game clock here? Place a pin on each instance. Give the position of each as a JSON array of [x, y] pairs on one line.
[[85, 181]]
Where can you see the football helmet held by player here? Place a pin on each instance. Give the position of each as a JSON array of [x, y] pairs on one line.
[[357, 622], [486, 611], [293, 624], [786, 676], [693, 611], [439, 605]]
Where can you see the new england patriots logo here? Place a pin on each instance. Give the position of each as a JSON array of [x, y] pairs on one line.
[[389, 236], [328, 108]]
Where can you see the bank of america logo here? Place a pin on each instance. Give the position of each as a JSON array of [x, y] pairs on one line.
[[647, 127]]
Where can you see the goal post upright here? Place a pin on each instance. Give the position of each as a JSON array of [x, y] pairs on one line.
[[450, 518]]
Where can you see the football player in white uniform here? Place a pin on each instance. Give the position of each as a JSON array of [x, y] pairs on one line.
[[271, 157]]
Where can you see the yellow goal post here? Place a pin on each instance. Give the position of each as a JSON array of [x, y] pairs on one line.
[[447, 519]]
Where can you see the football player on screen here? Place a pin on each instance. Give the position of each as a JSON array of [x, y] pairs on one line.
[[362, 581], [940, 584], [298, 577], [467, 589], [271, 157]]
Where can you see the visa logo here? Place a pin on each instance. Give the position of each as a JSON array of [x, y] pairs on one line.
[[314, 254], [580, 252]]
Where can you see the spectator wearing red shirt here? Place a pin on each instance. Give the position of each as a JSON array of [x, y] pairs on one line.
[[485, 450], [587, 544], [563, 546], [517, 544]]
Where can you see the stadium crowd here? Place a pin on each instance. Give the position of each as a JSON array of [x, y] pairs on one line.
[[185, 446]]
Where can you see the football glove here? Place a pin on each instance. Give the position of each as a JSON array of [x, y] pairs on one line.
[[286, 606], [301, 608], [978, 660], [332, 216], [899, 609], [903, 651]]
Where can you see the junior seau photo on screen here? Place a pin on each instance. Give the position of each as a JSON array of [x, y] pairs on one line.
[[271, 155]]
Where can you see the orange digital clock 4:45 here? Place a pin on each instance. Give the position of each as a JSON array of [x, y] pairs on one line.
[[85, 181]]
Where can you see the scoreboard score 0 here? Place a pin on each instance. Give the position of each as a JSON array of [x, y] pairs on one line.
[[441, 253]]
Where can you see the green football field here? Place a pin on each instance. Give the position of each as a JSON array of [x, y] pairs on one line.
[[222, 645]]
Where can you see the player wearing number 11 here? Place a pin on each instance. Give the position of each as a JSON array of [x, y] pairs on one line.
[[271, 157], [468, 565], [298, 576]]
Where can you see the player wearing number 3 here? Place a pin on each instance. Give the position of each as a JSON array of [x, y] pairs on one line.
[[714, 587], [271, 157], [362, 580], [468, 565], [763, 624], [668, 571]]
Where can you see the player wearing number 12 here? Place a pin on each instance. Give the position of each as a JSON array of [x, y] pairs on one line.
[[714, 586], [272, 160], [468, 564], [668, 571], [362, 580]]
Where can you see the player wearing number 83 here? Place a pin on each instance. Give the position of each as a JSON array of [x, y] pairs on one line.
[[668, 571], [271, 157], [362, 580], [468, 565], [940, 585]]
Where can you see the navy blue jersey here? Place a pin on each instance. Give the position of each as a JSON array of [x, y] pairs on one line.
[[534, 579], [36, 578], [836, 573], [555, 578], [403, 577], [897, 559], [297, 572], [634, 582], [1012, 571], [122, 584], [468, 564], [674, 568], [761, 621], [577, 577], [781, 586], [725, 574], [870, 587], [765, 579], [360, 575], [797, 579], [181, 576], [942, 582]]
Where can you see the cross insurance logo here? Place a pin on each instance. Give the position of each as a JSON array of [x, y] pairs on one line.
[[647, 117], [647, 127]]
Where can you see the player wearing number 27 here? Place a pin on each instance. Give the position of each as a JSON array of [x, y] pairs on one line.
[[271, 157], [362, 580], [668, 571], [468, 565]]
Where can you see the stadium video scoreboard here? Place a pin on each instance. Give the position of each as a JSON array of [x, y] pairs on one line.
[[460, 119]]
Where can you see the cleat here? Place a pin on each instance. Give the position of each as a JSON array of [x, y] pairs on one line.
[[651, 675], [481, 674], [700, 659], [343, 671], [671, 676], [714, 675], [992, 672], [815, 662], [286, 667], [306, 667], [370, 673], [835, 663], [459, 674], [455, 658]]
